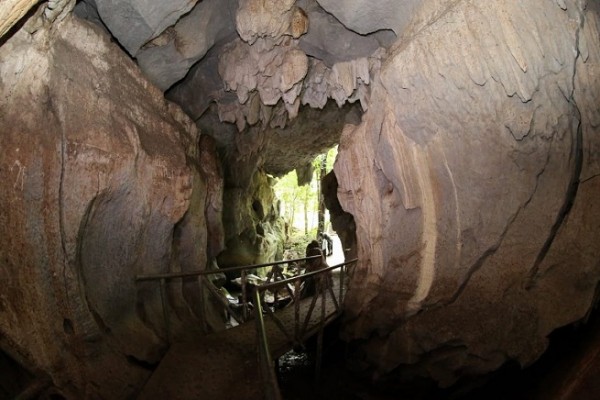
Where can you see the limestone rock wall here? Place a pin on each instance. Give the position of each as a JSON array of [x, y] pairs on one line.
[[473, 182], [100, 183], [254, 231]]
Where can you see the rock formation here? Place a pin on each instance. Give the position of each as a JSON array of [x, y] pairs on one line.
[[101, 184], [472, 182], [253, 228], [136, 22], [466, 180]]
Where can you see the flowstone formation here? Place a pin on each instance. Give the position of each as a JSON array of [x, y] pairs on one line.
[[473, 181]]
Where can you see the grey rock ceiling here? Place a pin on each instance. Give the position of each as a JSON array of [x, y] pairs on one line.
[[261, 67], [168, 38]]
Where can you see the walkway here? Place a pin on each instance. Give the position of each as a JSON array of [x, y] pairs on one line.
[[225, 365]]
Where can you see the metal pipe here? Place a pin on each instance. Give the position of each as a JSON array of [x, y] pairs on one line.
[[202, 307], [342, 270], [320, 338], [296, 299], [221, 299], [34, 389]]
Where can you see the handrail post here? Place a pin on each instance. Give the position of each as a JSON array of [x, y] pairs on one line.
[[297, 294], [203, 320], [163, 298], [320, 336], [244, 296], [342, 282], [264, 355]]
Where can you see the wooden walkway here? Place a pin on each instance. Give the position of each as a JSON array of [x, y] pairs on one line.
[[225, 365]]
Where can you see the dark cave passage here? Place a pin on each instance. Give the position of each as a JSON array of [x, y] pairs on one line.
[[566, 371]]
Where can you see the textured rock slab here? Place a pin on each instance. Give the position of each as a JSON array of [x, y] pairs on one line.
[[466, 182], [366, 16], [254, 232], [199, 88], [167, 59], [329, 41], [99, 181], [135, 22], [270, 19]]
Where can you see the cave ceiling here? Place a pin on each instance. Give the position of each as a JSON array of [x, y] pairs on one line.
[[283, 75]]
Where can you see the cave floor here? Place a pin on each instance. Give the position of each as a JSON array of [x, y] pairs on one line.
[[569, 370], [224, 365]]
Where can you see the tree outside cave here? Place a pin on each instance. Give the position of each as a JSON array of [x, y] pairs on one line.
[[302, 207]]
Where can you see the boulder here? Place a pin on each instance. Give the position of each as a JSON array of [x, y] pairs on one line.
[[329, 41]]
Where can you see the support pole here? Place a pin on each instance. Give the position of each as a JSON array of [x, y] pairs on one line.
[[320, 338], [163, 299], [342, 283], [264, 355], [244, 280], [203, 319]]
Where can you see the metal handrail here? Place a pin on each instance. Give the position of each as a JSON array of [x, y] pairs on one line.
[[202, 274], [299, 334], [305, 275], [264, 355], [188, 274]]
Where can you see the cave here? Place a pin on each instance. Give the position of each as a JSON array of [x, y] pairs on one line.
[[144, 137]]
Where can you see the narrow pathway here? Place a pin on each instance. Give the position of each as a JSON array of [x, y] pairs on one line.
[[224, 365]]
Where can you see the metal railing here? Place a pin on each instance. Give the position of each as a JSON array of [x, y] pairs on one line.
[[276, 274], [302, 329], [275, 282]]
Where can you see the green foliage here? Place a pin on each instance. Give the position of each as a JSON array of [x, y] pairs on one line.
[[295, 247], [299, 206], [331, 156]]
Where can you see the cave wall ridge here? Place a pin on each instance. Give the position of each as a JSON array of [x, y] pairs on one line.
[[100, 183], [472, 181]]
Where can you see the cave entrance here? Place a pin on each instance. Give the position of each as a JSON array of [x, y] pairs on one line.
[[303, 208]]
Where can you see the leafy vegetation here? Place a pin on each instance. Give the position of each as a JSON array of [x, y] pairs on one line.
[[300, 206]]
